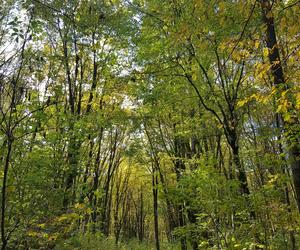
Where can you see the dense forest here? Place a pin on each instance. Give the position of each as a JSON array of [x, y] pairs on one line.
[[150, 124]]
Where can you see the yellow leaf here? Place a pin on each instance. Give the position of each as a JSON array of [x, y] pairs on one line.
[[265, 52], [62, 218], [194, 77], [283, 106], [222, 6], [287, 117], [89, 210], [43, 225], [241, 103], [79, 205], [283, 93], [298, 101], [32, 233]]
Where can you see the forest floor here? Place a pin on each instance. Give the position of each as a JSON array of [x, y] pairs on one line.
[[91, 243]]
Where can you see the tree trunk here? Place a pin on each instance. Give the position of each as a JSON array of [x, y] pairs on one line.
[[155, 206], [279, 82], [4, 183], [179, 167], [141, 218], [242, 177]]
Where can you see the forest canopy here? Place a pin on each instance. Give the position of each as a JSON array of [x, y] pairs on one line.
[[150, 124]]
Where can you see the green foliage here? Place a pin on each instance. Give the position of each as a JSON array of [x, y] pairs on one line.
[[96, 242], [115, 115]]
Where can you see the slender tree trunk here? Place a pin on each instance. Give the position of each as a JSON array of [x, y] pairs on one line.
[[74, 144], [141, 218], [105, 206], [4, 198], [241, 172], [179, 167], [73, 149], [92, 197], [232, 139], [94, 84], [170, 212], [155, 206], [286, 189]]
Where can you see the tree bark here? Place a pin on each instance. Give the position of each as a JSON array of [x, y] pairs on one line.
[[155, 206], [4, 183], [279, 82]]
